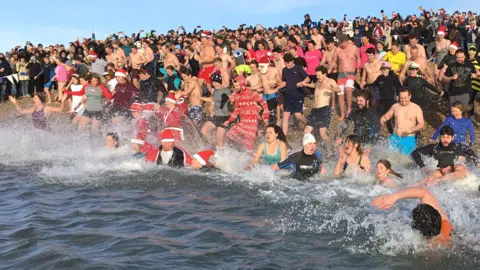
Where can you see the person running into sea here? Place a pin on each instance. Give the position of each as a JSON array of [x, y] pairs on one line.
[[76, 85], [383, 169], [305, 163], [39, 111], [459, 124], [171, 117], [274, 149], [246, 106], [408, 121], [365, 120], [201, 160], [320, 116], [428, 217], [352, 155], [447, 153], [112, 140], [93, 95]]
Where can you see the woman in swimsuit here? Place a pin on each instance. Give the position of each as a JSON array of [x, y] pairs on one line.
[[352, 155], [274, 149], [38, 111], [384, 168]]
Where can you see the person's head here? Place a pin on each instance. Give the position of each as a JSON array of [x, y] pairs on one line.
[[143, 74], [413, 69], [413, 40], [427, 220], [108, 50], [404, 96], [472, 52], [261, 46], [309, 144], [457, 110], [330, 43], [38, 99], [201, 159], [111, 140], [95, 79], [134, 50], [170, 70], [121, 76], [414, 52], [187, 74], [385, 68], [460, 55], [167, 145], [294, 51], [365, 40], [75, 79], [446, 135], [218, 63], [353, 144], [363, 99], [273, 133], [311, 45], [343, 41], [189, 51], [321, 72], [380, 46], [452, 49], [277, 53], [288, 58], [249, 46], [170, 100], [371, 54], [395, 48], [384, 168]]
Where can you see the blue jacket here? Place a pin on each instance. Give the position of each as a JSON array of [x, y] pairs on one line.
[[460, 127]]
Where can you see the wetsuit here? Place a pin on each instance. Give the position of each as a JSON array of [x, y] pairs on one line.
[[304, 166], [179, 158], [445, 155], [387, 87], [417, 85], [366, 125], [149, 90]]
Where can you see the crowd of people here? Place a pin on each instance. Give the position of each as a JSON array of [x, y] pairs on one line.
[[232, 84]]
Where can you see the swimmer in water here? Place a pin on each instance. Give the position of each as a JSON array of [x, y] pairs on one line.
[[447, 153], [384, 168], [201, 160], [274, 149], [39, 111], [428, 217], [352, 155], [112, 140]]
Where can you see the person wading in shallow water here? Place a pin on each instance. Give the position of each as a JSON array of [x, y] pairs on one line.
[[39, 111]]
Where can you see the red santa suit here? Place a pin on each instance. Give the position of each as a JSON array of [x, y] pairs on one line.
[[172, 119], [246, 105], [151, 152], [142, 126]]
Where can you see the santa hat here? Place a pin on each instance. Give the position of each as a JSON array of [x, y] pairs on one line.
[[167, 136], [394, 14], [137, 141], [454, 45], [136, 107], [121, 73], [205, 34], [264, 60], [441, 30], [92, 54], [171, 97], [203, 156]]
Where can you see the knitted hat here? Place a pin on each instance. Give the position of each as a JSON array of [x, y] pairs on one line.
[[308, 138], [203, 156], [121, 73], [167, 136]]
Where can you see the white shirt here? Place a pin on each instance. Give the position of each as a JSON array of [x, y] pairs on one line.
[[166, 156]]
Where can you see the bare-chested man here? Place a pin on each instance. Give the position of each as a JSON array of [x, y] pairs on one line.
[[321, 115], [254, 82], [327, 61], [193, 90], [119, 55], [422, 63], [207, 55], [319, 39], [408, 121], [413, 42], [137, 61], [270, 79], [278, 59], [345, 58], [228, 61], [170, 59], [372, 68], [148, 53], [111, 57]]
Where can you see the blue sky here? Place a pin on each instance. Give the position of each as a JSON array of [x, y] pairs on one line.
[[55, 21]]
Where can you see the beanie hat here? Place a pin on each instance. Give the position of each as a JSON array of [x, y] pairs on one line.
[[308, 138]]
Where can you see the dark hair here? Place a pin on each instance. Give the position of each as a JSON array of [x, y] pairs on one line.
[[279, 131], [294, 48], [293, 39], [115, 138], [322, 69], [187, 71], [41, 97], [388, 165], [218, 60], [370, 51], [405, 89], [312, 42], [142, 72], [254, 62], [288, 57], [447, 130], [277, 50], [355, 140], [368, 96], [170, 67], [427, 220], [395, 44], [460, 51]]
